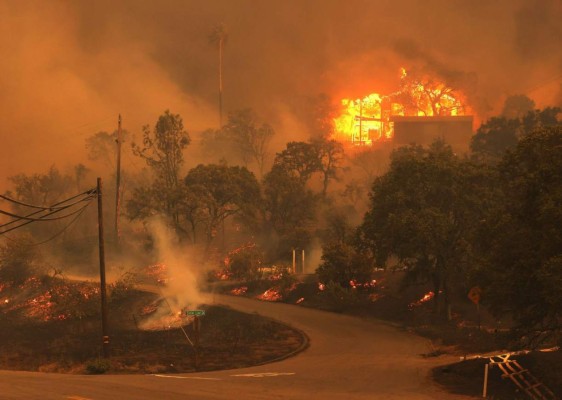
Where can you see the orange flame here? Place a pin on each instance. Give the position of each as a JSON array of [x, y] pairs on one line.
[[367, 120]]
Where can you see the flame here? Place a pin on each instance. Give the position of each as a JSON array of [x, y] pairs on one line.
[[367, 120], [157, 272], [272, 294], [426, 297], [239, 291]]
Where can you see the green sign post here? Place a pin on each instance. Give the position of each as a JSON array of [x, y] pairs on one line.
[[196, 313]]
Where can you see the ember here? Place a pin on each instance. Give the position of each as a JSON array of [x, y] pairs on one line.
[[158, 272], [270, 295], [299, 300], [239, 291], [426, 297]]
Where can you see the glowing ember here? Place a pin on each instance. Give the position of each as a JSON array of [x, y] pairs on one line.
[[270, 295], [299, 300], [368, 120], [158, 272], [149, 309], [366, 285], [426, 297], [373, 297], [321, 287], [239, 291], [165, 322]]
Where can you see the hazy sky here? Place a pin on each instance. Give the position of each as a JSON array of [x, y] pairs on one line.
[[68, 68]]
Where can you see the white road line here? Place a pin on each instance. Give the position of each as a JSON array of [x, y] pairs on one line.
[[186, 377], [265, 374]]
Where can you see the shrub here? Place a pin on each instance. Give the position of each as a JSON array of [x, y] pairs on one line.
[[17, 260], [341, 264], [98, 366]]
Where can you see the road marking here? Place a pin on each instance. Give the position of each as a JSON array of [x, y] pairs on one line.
[[265, 374], [186, 377]]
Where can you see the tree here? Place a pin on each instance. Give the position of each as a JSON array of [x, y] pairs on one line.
[[18, 260], [424, 212], [517, 106], [525, 247], [419, 93], [244, 263], [317, 113], [499, 134], [342, 263], [42, 189], [249, 138], [162, 149], [101, 147], [289, 210], [221, 192], [299, 159], [330, 155]]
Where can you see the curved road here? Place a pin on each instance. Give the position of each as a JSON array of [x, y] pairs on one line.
[[348, 358]]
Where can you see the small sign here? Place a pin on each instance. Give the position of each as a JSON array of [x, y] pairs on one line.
[[474, 294], [196, 313]]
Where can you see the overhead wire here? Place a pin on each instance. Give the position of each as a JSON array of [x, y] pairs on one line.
[[43, 207], [42, 218], [90, 194], [80, 211]]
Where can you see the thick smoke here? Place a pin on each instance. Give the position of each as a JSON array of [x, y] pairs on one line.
[[68, 68], [181, 290]]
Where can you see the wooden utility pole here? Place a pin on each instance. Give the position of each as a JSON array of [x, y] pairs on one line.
[[105, 335], [118, 182], [221, 43], [360, 121]]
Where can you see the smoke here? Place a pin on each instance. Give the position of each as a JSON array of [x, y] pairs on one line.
[[69, 68], [181, 290]]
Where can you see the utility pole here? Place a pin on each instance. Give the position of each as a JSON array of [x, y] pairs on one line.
[[360, 121], [105, 335], [221, 42], [118, 182]]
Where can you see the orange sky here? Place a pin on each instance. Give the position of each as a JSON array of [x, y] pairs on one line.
[[68, 68]]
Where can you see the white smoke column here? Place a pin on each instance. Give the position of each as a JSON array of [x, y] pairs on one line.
[[181, 290]]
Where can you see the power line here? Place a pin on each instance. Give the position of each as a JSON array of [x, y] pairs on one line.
[[58, 233], [42, 218], [31, 205], [55, 207], [90, 194]]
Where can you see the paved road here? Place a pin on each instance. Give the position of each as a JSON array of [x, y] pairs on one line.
[[348, 358]]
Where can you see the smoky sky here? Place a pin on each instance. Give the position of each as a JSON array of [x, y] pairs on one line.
[[69, 67]]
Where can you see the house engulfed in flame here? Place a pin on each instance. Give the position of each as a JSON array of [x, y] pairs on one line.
[[420, 111]]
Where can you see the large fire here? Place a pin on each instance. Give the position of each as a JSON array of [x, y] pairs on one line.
[[367, 120]]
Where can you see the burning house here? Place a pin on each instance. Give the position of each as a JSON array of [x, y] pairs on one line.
[[421, 111]]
